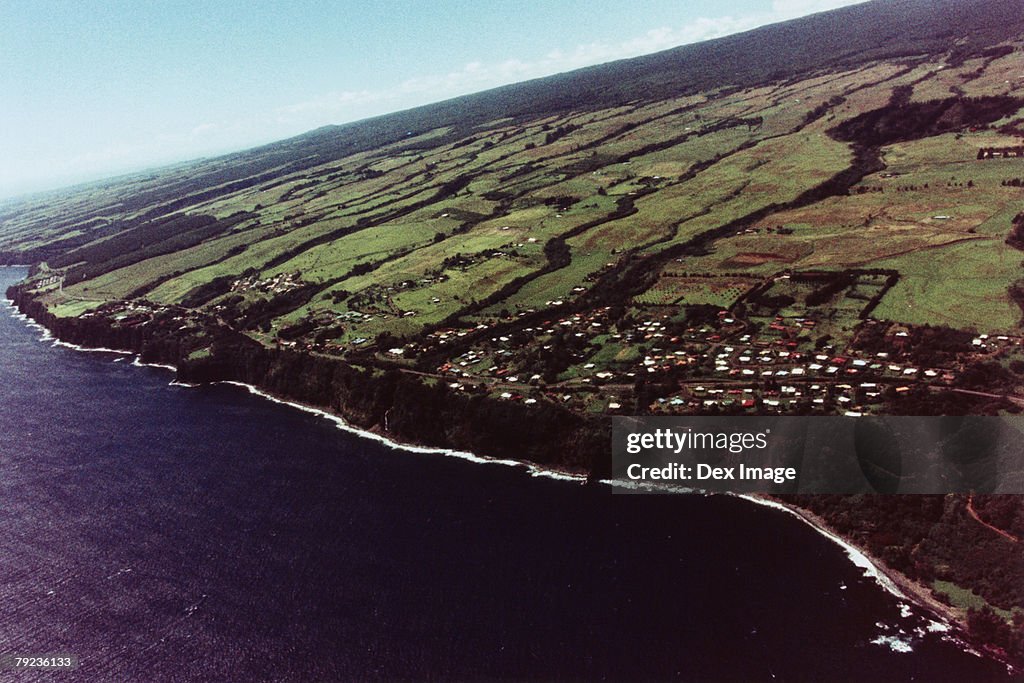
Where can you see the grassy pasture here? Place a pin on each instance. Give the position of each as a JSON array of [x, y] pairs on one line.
[[119, 283], [512, 172], [960, 285], [716, 291]]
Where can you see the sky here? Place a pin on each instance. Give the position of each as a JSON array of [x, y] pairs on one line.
[[92, 89]]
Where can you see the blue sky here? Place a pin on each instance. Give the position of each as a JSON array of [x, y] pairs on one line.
[[89, 89]]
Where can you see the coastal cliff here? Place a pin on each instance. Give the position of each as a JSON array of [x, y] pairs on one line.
[[405, 407], [910, 540]]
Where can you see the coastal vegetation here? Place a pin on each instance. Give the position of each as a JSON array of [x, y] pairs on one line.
[[798, 220]]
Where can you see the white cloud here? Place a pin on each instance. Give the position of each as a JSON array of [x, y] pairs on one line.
[[480, 75], [212, 137], [793, 8], [204, 129]]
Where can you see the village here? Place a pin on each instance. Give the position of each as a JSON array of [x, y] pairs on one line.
[[645, 359], [712, 368]]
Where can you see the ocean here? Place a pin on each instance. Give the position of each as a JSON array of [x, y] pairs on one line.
[[160, 532]]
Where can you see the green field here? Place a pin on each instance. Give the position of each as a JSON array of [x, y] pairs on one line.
[[369, 232]]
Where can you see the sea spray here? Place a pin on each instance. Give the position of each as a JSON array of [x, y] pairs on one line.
[[90, 349], [532, 469], [852, 553], [856, 556]]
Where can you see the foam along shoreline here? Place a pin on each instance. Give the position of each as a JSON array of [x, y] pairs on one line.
[[137, 362], [903, 589], [945, 618], [92, 349], [533, 469], [873, 568], [47, 336], [856, 555]]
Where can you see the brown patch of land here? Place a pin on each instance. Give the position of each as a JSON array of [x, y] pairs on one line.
[[755, 258]]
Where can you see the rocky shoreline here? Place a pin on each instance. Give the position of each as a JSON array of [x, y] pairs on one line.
[[393, 404], [395, 422], [902, 585]]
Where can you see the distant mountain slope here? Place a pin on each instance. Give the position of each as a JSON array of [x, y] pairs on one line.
[[841, 38]]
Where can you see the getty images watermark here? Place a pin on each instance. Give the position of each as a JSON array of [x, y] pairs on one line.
[[819, 454]]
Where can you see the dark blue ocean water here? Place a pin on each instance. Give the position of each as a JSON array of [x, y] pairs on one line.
[[165, 533]]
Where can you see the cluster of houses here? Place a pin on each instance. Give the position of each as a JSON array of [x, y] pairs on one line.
[[139, 313], [1001, 152], [49, 281], [378, 298], [987, 343], [129, 313], [282, 282], [715, 366], [725, 363]]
